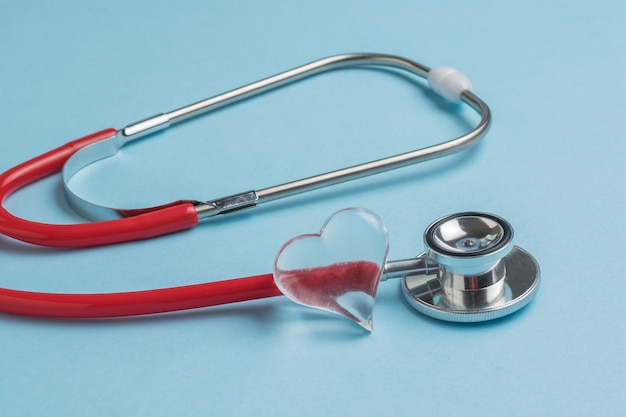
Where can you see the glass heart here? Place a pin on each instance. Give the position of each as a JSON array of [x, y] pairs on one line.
[[337, 269]]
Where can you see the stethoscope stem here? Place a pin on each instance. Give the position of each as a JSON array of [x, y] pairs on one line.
[[420, 265]]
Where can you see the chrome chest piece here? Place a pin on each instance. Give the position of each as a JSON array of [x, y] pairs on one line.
[[480, 274]]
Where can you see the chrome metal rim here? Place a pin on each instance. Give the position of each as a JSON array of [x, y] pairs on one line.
[[520, 286]]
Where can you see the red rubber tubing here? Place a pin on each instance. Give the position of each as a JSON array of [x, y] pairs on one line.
[[146, 225], [143, 226], [137, 302]]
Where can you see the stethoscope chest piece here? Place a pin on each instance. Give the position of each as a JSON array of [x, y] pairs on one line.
[[480, 276]]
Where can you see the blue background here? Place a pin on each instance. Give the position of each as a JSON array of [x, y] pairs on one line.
[[553, 165]]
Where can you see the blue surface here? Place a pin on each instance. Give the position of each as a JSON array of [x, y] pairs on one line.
[[553, 165]]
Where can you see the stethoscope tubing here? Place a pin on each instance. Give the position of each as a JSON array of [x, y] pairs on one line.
[[135, 303], [143, 226]]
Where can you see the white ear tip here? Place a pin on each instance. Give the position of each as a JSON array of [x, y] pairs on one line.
[[448, 83]]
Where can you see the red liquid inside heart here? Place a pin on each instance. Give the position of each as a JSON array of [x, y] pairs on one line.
[[347, 288]]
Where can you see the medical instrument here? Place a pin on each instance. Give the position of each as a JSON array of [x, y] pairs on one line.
[[120, 225], [470, 272]]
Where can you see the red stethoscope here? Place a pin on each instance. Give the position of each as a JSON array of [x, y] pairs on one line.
[[121, 225]]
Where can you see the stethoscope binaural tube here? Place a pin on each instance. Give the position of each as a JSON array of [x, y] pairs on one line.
[[120, 225]]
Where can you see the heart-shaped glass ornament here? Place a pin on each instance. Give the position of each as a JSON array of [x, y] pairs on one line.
[[337, 269]]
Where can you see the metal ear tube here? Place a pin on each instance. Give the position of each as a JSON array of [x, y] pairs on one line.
[[114, 225]]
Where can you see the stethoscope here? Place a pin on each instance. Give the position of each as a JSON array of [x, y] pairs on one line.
[[470, 272]]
